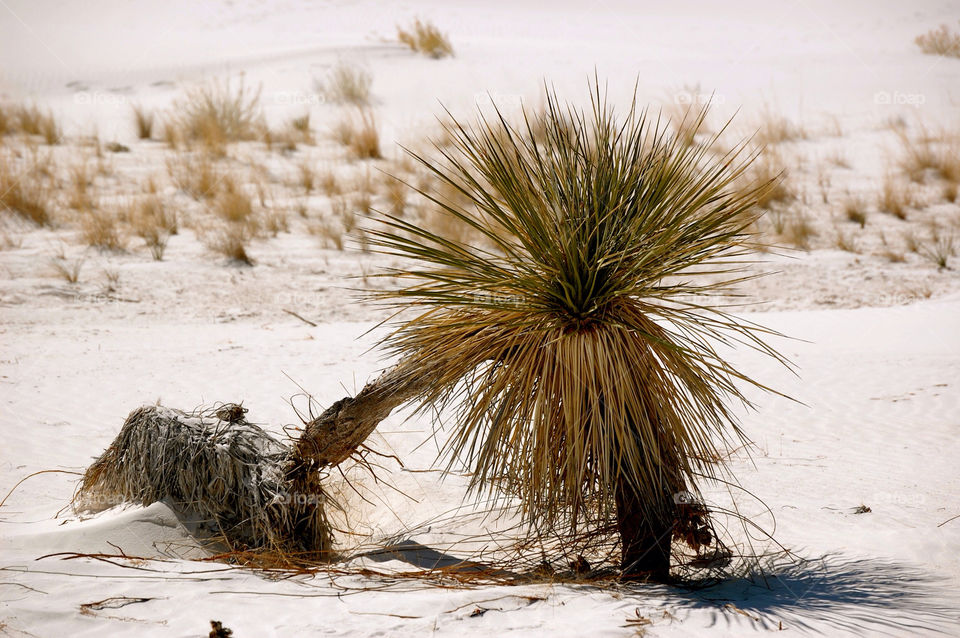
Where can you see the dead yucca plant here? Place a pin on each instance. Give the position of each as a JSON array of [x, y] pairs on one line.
[[575, 344], [941, 41], [346, 83], [426, 38], [143, 120]]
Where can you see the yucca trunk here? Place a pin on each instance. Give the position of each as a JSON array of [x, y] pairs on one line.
[[644, 538]]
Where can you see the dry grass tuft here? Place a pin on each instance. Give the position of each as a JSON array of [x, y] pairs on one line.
[[151, 221], [216, 114], [940, 41], [230, 241], [425, 38], [31, 120], [68, 270], [359, 134], [143, 120], [100, 228], [775, 129], [195, 174], [798, 232], [895, 197], [395, 193], [845, 241], [938, 249], [346, 84], [307, 176], [23, 193], [855, 210]]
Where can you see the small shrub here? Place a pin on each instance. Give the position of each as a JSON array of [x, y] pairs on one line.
[[425, 38], [895, 198], [346, 84], [100, 229], [855, 210], [359, 134], [23, 193], [143, 120], [940, 41], [231, 242], [66, 269], [217, 114], [195, 174]]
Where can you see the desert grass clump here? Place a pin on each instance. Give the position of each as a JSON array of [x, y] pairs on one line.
[[895, 197], [358, 132], [574, 344], [425, 38], [776, 129], [230, 240], [218, 469], [938, 249], [855, 210], [100, 228], [23, 193], [196, 174], [32, 120], [154, 223], [216, 114], [67, 269], [941, 41], [346, 83], [143, 120], [798, 232]]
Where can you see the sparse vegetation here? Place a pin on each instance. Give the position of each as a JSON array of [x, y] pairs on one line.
[[798, 232], [154, 223], [895, 197], [195, 174], [359, 134], [938, 249], [855, 210], [22, 193], [67, 269], [424, 37], [100, 228], [346, 84], [940, 41], [230, 240], [32, 120], [775, 129], [579, 393], [143, 120], [216, 114]]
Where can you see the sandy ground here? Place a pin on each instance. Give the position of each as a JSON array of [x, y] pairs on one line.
[[876, 344]]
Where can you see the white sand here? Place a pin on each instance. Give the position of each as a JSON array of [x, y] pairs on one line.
[[877, 344]]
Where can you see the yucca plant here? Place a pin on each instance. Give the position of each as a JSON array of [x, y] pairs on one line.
[[572, 336]]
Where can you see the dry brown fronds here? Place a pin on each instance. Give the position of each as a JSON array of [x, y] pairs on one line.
[[143, 120], [346, 84], [395, 192], [425, 38], [940, 41], [359, 134], [895, 197]]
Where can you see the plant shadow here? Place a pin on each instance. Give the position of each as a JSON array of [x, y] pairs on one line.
[[859, 595]]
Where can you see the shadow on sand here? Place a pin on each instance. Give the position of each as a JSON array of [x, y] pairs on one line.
[[859, 595]]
